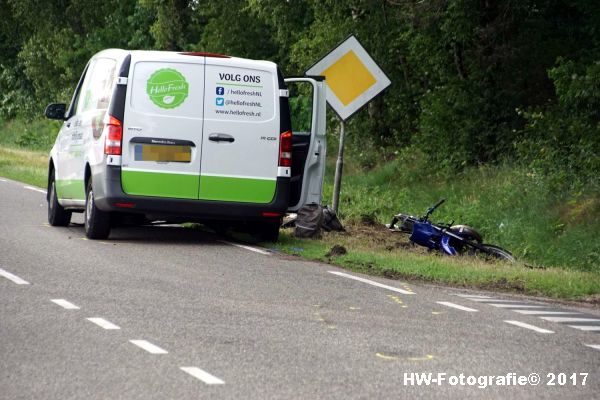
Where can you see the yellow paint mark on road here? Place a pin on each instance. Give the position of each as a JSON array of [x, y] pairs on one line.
[[426, 358], [83, 238], [386, 357], [395, 298]]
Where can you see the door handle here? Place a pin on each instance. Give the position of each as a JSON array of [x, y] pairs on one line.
[[221, 137]]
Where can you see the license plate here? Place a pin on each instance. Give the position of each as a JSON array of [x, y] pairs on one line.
[[163, 153]]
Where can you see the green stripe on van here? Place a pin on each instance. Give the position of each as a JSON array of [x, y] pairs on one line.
[[70, 189], [157, 184], [244, 190]]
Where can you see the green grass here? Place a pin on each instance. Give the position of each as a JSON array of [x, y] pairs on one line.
[[24, 149], [529, 214], [463, 272], [25, 166]]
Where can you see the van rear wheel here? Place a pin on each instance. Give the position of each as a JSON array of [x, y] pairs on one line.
[[97, 222], [57, 215]]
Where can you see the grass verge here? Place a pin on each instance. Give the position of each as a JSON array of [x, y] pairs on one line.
[[24, 166], [368, 253]]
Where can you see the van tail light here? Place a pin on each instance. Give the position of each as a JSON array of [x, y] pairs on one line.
[[270, 214], [285, 149], [114, 137]]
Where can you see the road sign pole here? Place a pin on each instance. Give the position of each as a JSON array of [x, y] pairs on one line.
[[339, 165]]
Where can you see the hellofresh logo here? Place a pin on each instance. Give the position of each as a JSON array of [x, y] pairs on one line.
[[167, 88]]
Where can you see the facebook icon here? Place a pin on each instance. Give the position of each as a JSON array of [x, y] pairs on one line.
[[220, 90]]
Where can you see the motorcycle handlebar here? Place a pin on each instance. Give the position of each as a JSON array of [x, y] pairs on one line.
[[430, 210]]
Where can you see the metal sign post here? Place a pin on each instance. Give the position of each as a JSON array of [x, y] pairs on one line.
[[339, 165], [353, 79]]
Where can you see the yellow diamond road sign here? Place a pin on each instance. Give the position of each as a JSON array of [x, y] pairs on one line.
[[352, 77]]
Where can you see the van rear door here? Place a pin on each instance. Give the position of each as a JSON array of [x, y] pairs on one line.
[[162, 132], [240, 149], [308, 107]]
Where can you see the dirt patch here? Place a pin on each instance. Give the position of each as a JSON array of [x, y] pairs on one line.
[[336, 251]]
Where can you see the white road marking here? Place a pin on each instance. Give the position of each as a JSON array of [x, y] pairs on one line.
[[473, 296], [3, 180], [457, 306], [35, 189], [527, 326], [541, 312], [594, 346], [590, 328], [202, 375], [13, 277], [515, 305], [370, 282], [241, 246], [497, 301], [569, 319], [102, 323], [65, 304], [149, 347]]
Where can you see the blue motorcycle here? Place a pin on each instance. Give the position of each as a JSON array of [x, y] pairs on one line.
[[450, 239]]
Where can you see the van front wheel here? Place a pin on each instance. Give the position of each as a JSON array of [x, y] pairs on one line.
[[97, 222], [57, 215]]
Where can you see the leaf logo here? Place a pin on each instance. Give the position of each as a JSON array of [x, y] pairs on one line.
[[167, 88]]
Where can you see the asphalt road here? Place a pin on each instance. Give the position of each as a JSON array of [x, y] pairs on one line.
[[178, 314]]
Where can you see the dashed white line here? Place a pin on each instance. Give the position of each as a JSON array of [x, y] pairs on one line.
[[242, 246], [590, 328], [527, 326], [13, 277], [514, 305], [370, 282], [202, 375], [102, 323], [149, 347], [495, 301], [457, 306], [473, 296], [594, 346], [35, 189], [541, 312], [65, 304], [569, 319]]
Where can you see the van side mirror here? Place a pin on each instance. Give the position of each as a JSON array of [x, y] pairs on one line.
[[56, 111]]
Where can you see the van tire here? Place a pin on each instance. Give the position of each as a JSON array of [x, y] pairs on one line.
[[97, 222], [268, 231], [57, 215]]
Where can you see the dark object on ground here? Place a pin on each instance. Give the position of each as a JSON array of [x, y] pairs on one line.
[[331, 221], [448, 238], [308, 221], [336, 251]]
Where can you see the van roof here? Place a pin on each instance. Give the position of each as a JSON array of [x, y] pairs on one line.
[[156, 55]]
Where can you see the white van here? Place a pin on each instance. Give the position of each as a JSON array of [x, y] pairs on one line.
[[178, 137]]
